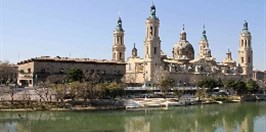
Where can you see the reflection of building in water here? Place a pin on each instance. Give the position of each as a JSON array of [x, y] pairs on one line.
[[183, 66], [137, 124], [8, 126], [247, 125], [227, 126]]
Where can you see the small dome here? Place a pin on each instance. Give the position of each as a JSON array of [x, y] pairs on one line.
[[245, 31]]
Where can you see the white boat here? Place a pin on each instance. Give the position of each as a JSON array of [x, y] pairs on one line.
[[132, 104], [171, 103]]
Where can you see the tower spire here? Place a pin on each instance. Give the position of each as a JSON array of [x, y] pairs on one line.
[[204, 36], [183, 34], [153, 11], [134, 51], [245, 25], [119, 24]]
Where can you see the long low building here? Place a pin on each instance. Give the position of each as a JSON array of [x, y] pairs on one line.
[[39, 69]]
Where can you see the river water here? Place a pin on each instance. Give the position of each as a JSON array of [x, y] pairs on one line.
[[236, 117]]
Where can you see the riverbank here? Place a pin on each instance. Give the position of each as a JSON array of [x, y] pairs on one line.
[[65, 109], [116, 104], [109, 105]]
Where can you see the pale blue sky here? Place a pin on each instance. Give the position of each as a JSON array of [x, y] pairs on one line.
[[84, 28]]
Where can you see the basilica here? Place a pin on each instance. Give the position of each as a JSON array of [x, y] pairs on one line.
[[184, 65]]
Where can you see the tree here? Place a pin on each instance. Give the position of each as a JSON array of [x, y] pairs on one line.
[[178, 93], [159, 75], [240, 87], [229, 84], [12, 93], [8, 72], [166, 84], [252, 86], [60, 92], [220, 83], [75, 74], [208, 83], [201, 93], [114, 89]]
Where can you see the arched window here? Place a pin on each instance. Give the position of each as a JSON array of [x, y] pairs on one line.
[[151, 31]]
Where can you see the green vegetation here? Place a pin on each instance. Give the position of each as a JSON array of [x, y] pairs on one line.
[[239, 86], [75, 74], [166, 84], [209, 83]]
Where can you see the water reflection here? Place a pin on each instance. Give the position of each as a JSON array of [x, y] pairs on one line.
[[246, 117]]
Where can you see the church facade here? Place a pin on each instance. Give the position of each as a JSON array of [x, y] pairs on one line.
[[184, 66]]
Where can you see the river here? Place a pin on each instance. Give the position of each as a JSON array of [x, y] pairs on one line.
[[244, 117]]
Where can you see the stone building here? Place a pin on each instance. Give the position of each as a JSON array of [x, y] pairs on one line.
[[183, 66], [39, 69]]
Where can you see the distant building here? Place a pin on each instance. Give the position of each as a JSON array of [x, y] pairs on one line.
[[39, 69], [183, 66], [258, 75]]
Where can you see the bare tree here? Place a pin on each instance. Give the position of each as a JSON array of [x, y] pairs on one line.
[[8, 72], [44, 92], [60, 91], [160, 74]]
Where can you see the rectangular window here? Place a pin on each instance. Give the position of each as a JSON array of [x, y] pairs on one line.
[[242, 59], [249, 60], [155, 49]]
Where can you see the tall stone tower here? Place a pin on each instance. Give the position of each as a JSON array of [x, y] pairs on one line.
[[204, 50], [245, 52], [152, 47], [118, 43]]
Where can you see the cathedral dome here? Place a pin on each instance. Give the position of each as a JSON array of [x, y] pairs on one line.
[[183, 45], [183, 50]]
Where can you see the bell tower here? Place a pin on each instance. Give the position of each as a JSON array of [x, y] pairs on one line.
[[118, 43], [204, 50], [152, 46], [245, 52]]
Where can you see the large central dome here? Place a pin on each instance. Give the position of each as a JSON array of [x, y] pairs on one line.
[[183, 50]]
